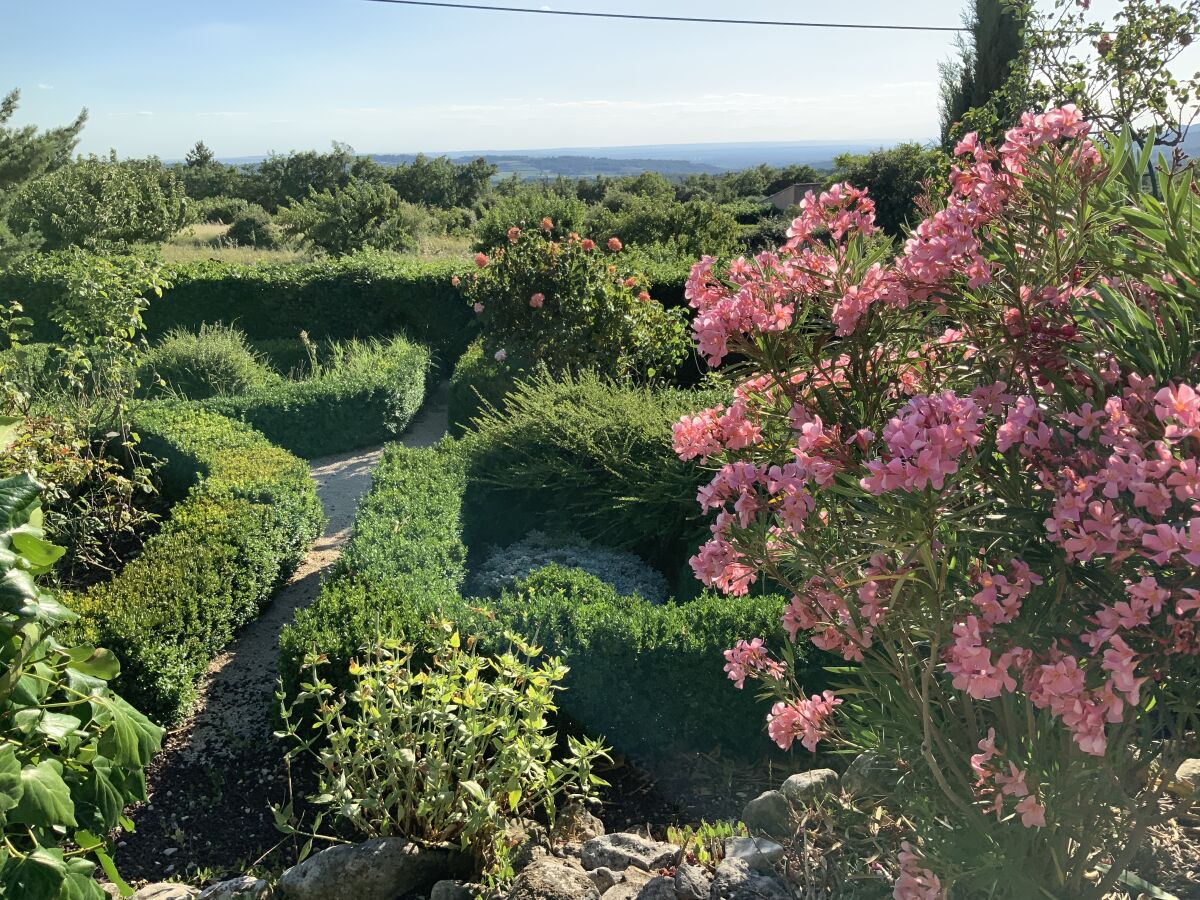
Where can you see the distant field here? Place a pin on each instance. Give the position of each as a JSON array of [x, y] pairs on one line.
[[207, 241]]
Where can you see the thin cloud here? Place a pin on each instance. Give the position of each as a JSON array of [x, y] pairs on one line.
[[220, 114], [45, 87]]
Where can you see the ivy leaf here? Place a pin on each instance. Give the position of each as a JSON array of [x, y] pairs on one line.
[[10, 778], [45, 798], [97, 663], [130, 739], [39, 876], [100, 798]]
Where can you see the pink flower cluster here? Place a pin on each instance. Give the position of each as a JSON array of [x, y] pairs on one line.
[[915, 882], [750, 658], [994, 781], [842, 210], [836, 626], [925, 442], [803, 719], [711, 431]]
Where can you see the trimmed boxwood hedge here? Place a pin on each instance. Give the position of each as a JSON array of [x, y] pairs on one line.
[[245, 514], [368, 398], [367, 294], [645, 676]]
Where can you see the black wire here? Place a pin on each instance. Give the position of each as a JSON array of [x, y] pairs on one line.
[[648, 18]]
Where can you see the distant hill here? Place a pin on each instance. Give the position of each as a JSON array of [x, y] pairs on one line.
[[669, 159]]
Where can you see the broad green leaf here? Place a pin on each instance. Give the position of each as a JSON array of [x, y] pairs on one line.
[[45, 797], [97, 663], [131, 739], [10, 778], [39, 876]]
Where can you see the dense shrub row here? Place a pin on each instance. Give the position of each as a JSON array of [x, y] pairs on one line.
[[369, 294], [646, 676], [245, 515], [366, 394]]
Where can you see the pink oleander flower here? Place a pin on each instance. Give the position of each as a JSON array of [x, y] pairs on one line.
[[614, 244], [915, 881], [925, 442], [750, 659], [803, 719], [537, 300], [500, 355], [481, 260]]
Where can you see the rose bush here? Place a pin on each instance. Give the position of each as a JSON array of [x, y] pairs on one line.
[[975, 469], [571, 305]]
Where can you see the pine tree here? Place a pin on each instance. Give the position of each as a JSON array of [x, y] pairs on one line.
[[985, 61], [199, 156], [26, 154]]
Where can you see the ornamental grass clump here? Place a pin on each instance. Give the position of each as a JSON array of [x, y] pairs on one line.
[[974, 468], [439, 744], [572, 306]]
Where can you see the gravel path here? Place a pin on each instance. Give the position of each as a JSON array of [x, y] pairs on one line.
[[212, 786]]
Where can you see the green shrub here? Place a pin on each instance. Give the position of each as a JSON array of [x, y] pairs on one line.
[[366, 393], [215, 361], [583, 456], [253, 227], [478, 381], [444, 751], [571, 306], [218, 209], [245, 515], [72, 752], [98, 202], [360, 215]]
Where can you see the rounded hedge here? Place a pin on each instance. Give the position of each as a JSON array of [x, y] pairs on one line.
[[253, 227], [214, 361]]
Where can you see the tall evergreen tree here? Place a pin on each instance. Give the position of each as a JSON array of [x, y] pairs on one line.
[[26, 154], [199, 156], [985, 60]]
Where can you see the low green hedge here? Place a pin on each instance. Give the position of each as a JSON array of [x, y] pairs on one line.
[[245, 515], [365, 397], [367, 294], [645, 676]]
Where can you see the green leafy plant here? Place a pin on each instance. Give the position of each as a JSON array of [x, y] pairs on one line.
[[443, 751], [72, 753], [704, 844]]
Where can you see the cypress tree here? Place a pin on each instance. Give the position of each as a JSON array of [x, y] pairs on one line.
[[985, 61]]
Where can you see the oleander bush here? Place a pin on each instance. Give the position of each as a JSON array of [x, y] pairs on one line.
[[973, 468], [623, 571], [244, 515], [214, 361], [364, 393]]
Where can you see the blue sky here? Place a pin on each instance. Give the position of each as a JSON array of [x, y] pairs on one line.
[[249, 76]]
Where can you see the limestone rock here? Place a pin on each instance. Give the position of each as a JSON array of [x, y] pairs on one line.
[[549, 879], [737, 881], [381, 869], [576, 823], [246, 887], [658, 888], [164, 890], [604, 878], [761, 854], [692, 882], [620, 851], [805, 787], [451, 890], [769, 813], [1187, 779]]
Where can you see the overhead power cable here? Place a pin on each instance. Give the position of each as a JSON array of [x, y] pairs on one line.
[[587, 14]]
